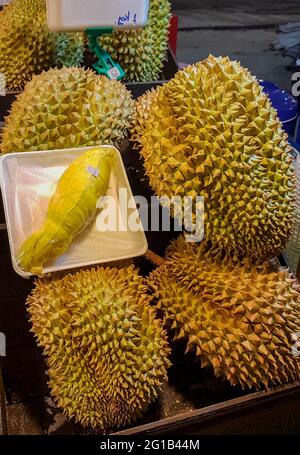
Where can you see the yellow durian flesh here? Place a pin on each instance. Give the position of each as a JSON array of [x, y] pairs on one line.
[[70, 210], [237, 317]]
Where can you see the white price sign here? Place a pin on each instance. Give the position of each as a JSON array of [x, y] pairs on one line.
[[76, 15], [4, 2]]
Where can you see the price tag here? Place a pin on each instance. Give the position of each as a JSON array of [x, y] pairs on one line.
[[92, 170], [4, 2], [113, 73]]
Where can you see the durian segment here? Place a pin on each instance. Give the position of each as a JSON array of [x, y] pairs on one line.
[[27, 46], [71, 209], [66, 108], [212, 132], [106, 352], [236, 317], [141, 52], [142, 111]]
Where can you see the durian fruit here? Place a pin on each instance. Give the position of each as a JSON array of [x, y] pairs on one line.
[[106, 352], [66, 108], [2, 84], [142, 111], [71, 209], [27, 46], [236, 317], [141, 52], [212, 132]]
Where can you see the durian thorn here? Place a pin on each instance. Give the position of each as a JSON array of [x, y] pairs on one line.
[[154, 258]]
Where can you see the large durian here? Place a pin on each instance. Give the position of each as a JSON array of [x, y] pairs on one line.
[[237, 317], [212, 132], [27, 46], [66, 108], [142, 52], [106, 352]]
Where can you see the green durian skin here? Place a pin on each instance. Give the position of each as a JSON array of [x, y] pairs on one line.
[[212, 132], [106, 351], [27, 47], [68, 108], [237, 317]]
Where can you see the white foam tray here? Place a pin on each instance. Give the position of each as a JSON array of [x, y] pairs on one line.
[[76, 15], [28, 181]]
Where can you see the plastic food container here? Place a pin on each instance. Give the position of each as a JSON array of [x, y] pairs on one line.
[[76, 15], [28, 181]]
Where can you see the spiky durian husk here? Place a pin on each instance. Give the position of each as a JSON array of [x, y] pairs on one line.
[[142, 52], [69, 50], [212, 132], [106, 352], [67, 108], [27, 46], [236, 317], [142, 110]]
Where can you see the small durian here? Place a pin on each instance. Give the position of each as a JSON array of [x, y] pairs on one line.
[[27, 46], [106, 351], [141, 52], [212, 132], [66, 108], [238, 318]]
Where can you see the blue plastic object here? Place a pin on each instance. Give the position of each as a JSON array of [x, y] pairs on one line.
[[285, 104]]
